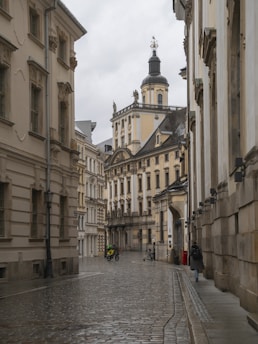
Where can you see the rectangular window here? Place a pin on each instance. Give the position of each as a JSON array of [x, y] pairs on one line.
[[62, 217], [62, 122], [62, 49], [34, 23], [35, 105], [140, 208], [2, 92], [156, 160], [2, 210], [148, 182], [128, 185], [166, 157], [161, 226], [166, 178], [149, 236], [148, 162], [157, 181], [129, 208], [122, 188], [140, 184], [149, 207], [35, 212], [3, 4]]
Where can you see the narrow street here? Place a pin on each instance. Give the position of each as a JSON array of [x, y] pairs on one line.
[[129, 301]]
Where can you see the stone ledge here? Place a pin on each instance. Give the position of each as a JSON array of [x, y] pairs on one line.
[[253, 320]]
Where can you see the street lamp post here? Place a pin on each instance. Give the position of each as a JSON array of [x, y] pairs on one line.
[[48, 271]]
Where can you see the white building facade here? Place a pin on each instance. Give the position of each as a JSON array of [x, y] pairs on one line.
[[221, 48], [38, 154], [91, 208]]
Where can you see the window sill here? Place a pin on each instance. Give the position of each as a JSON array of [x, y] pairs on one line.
[[6, 121], [64, 240], [5, 14], [36, 40], [36, 239], [37, 136], [3, 239], [62, 62]]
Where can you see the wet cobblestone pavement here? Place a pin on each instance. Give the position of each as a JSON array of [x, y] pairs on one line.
[[127, 302]]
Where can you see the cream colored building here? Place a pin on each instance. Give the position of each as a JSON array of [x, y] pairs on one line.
[[145, 163], [221, 48], [91, 206], [38, 153]]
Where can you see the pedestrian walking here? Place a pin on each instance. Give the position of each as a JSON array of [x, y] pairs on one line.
[[196, 260]]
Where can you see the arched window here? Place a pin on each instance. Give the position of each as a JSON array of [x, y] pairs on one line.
[[160, 99]]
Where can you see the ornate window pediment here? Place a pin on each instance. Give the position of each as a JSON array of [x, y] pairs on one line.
[[64, 90], [6, 48]]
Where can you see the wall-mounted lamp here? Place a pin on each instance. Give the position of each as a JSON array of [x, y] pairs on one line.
[[213, 192], [239, 173], [185, 142], [213, 197]]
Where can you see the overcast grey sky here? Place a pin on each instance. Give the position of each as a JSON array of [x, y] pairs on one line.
[[113, 55]]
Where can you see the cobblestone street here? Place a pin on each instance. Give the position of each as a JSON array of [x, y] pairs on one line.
[[130, 301]]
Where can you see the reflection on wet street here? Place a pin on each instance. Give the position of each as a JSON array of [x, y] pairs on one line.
[[129, 301]]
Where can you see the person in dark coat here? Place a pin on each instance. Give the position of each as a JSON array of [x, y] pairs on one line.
[[196, 260]]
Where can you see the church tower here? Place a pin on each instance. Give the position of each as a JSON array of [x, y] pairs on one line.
[[144, 163], [133, 125], [154, 87]]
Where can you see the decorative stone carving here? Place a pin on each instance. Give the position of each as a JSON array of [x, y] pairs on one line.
[[73, 62], [209, 45], [53, 42], [188, 12], [198, 83], [64, 90]]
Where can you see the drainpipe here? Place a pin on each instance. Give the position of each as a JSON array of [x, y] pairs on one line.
[[48, 193]]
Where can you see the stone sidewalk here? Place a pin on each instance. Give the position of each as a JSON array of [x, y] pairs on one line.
[[214, 316]]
